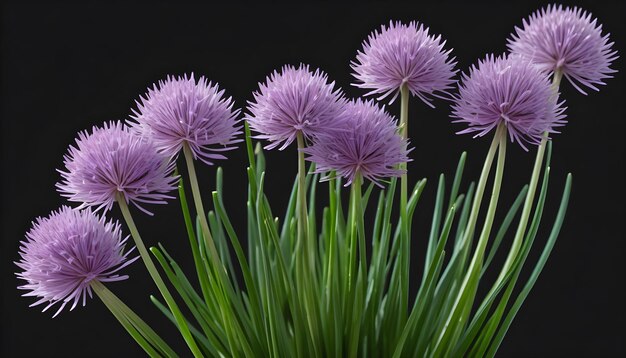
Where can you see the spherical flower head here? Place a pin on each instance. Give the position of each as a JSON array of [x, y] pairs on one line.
[[292, 101], [112, 161], [568, 40], [181, 111], [408, 55], [367, 144], [509, 90], [67, 251]]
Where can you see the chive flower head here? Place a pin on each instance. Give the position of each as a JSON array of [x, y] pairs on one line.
[[181, 110], [367, 144], [66, 251], [292, 101], [112, 160], [509, 90], [410, 55], [568, 40]]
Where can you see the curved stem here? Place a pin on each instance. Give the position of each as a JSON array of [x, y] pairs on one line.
[[530, 196], [197, 199], [480, 188], [156, 277], [464, 299], [495, 194]]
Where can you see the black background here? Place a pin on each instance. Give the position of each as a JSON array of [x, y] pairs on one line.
[[66, 67]]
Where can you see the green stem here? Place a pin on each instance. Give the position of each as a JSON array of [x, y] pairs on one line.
[[193, 242], [331, 239], [303, 226], [308, 268], [352, 244], [480, 188], [530, 196], [360, 225], [197, 199], [249, 148], [156, 277], [406, 235], [464, 299], [220, 270], [495, 194]]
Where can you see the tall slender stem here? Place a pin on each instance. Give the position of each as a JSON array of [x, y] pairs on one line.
[[406, 235], [532, 187], [197, 199], [480, 188], [352, 243], [360, 225], [331, 239], [156, 277], [468, 287], [495, 194], [307, 247], [303, 225]]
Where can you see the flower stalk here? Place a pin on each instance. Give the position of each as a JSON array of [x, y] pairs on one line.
[[156, 277], [303, 225], [197, 199], [464, 300], [532, 187], [406, 233]]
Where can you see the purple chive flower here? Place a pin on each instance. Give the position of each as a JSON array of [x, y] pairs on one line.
[[291, 101], [569, 40], [509, 90], [404, 54], [113, 160], [367, 144], [180, 110], [66, 251]]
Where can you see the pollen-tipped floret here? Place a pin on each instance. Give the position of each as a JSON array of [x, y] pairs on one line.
[[181, 111], [508, 90], [568, 40], [367, 144], [292, 101], [112, 161], [401, 54], [66, 251]]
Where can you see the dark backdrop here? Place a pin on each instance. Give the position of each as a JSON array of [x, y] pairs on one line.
[[66, 67]]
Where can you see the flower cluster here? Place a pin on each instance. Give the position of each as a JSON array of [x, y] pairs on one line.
[[512, 91], [67, 254], [568, 40], [408, 55], [181, 111], [367, 144], [66, 251], [71, 248]]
